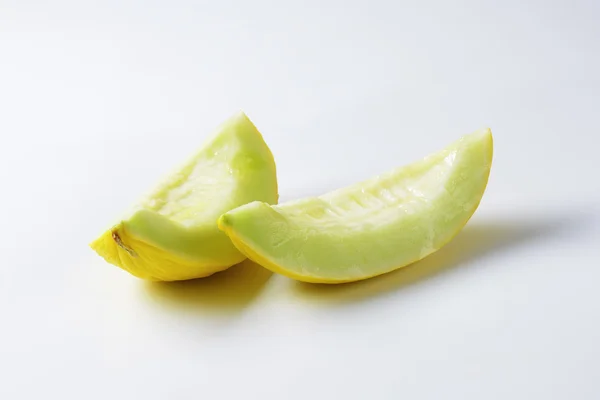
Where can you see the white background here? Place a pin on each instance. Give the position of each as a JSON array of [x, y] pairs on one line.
[[99, 99]]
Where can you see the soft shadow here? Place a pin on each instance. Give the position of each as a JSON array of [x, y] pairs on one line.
[[477, 241], [229, 291]]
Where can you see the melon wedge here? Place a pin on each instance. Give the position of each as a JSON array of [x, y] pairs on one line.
[[372, 227], [172, 233]]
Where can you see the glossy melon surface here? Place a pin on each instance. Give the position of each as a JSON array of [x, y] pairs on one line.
[[172, 233], [371, 227]]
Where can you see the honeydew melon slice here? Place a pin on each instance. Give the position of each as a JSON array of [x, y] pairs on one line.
[[372, 227], [172, 233]]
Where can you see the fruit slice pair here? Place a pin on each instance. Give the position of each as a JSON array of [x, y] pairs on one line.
[[364, 230], [372, 227], [172, 233]]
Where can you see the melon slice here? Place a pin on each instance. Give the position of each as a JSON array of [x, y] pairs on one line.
[[372, 227], [172, 233]]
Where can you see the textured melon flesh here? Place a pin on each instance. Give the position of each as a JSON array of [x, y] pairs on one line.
[[172, 233], [372, 227]]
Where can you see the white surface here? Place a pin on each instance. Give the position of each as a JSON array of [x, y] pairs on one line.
[[98, 99]]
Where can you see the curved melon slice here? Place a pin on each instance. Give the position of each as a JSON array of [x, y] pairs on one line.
[[172, 233], [372, 227]]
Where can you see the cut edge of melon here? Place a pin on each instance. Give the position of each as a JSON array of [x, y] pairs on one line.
[[114, 244], [224, 223]]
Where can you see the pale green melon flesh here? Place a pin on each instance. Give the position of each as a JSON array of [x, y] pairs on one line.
[[372, 227], [172, 233], [231, 169]]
